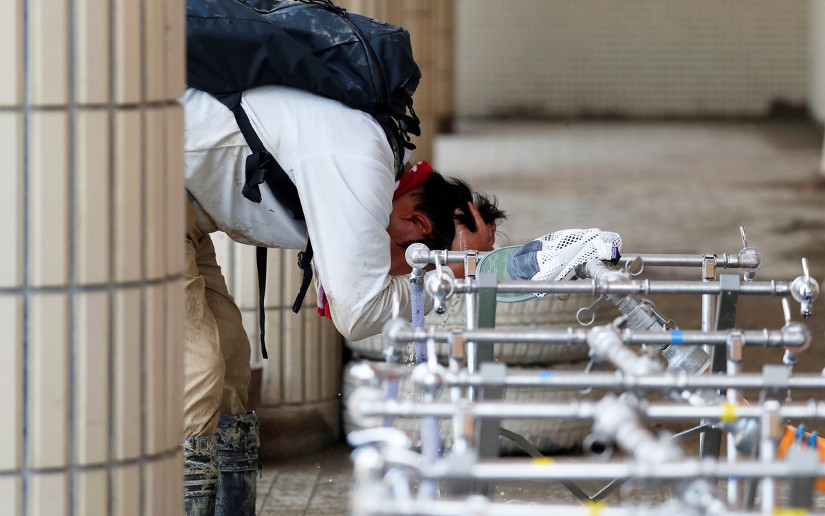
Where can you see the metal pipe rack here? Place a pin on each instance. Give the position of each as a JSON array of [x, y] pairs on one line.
[[386, 466]]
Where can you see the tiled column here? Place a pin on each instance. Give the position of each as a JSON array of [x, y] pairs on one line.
[[91, 252]]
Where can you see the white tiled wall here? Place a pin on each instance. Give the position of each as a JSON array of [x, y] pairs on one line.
[[629, 57], [91, 301]]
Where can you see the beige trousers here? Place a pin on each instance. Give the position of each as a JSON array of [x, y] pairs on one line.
[[216, 353]]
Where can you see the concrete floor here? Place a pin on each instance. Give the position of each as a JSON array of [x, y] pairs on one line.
[[676, 187]]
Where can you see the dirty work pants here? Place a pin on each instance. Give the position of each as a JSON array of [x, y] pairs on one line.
[[216, 353]]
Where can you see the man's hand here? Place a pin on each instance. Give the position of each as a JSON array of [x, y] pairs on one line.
[[482, 239]]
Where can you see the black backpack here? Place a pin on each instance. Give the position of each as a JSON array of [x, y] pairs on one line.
[[313, 45]]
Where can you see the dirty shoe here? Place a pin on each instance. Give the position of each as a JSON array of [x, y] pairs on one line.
[[238, 442], [200, 456]]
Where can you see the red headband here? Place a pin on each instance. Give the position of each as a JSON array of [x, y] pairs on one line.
[[412, 178]]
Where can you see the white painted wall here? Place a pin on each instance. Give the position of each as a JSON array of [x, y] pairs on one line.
[[632, 57]]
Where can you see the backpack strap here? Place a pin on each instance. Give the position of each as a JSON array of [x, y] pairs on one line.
[[262, 166], [260, 263]]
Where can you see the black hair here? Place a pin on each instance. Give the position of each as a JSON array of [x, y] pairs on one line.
[[440, 201]]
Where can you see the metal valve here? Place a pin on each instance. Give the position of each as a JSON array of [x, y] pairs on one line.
[[750, 258], [805, 289], [440, 286], [796, 331]]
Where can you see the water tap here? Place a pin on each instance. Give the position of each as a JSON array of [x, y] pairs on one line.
[[793, 331], [805, 289], [440, 286], [750, 258]]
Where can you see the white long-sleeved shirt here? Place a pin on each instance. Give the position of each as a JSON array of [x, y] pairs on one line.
[[342, 166]]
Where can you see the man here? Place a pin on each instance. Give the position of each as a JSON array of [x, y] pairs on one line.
[[359, 225]]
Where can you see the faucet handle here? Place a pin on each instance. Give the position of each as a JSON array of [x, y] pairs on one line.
[[750, 258], [805, 289]]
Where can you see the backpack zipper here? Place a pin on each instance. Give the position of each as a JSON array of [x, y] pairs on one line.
[[372, 61]]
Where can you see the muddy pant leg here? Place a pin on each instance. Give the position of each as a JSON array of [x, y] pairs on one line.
[[238, 442], [237, 430], [200, 457]]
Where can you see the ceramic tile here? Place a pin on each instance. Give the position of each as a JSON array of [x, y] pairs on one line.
[[48, 381], [48, 494], [154, 208], [127, 198], [154, 50], [128, 67], [126, 490], [11, 199], [245, 275], [174, 484], [11, 382], [126, 375], [313, 358], [92, 364], [175, 319], [155, 477], [92, 52], [263, 487], [175, 191], [272, 387], [49, 198], [92, 181], [90, 492], [331, 348], [295, 488], [11, 53], [11, 492], [292, 371], [175, 49], [155, 374], [49, 52]]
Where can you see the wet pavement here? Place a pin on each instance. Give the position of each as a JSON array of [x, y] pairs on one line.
[[666, 187]]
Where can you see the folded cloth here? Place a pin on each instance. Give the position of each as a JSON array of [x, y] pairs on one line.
[[412, 178], [553, 256]]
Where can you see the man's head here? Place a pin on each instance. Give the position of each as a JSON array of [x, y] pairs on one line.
[[429, 212]]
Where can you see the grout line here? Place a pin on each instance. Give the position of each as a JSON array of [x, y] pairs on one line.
[[144, 131], [157, 457], [127, 106], [92, 287], [72, 294], [110, 287], [26, 65]]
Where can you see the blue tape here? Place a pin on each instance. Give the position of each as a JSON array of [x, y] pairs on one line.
[[545, 374], [677, 337]]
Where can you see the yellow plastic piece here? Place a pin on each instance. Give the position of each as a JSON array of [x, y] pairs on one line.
[[596, 507], [729, 412], [790, 511]]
